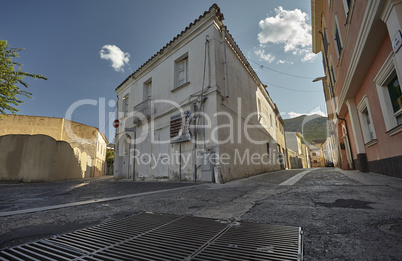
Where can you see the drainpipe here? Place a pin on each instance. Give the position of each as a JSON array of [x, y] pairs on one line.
[[135, 138], [195, 142], [225, 63], [347, 134]]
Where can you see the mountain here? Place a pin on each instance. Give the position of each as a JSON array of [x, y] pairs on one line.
[[313, 127]]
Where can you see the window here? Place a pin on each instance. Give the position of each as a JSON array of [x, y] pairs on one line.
[[332, 72], [325, 41], [147, 90], [389, 94], [314, 154], [346, 5], [268, 149], [125, 104], [368, 124], [181, 71], [394, 90], [366, 121], [337, 39], [259, 107]]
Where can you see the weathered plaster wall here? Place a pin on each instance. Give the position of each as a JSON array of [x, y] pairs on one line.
[[253, 127], [37, 158], [88, 144]]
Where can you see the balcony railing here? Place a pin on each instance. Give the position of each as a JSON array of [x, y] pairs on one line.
[[143, 110]]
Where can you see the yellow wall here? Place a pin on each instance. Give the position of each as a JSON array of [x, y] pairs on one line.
[[37, 158], [89, 146]]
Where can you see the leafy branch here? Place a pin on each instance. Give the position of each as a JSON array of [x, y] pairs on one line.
[[10, 78]]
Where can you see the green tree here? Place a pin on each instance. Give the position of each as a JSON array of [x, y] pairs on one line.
[[10, 78], [110, 157]]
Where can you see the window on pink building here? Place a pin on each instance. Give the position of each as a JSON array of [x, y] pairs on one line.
[[395, 94]]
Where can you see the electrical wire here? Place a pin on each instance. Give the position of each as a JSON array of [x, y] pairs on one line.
[[288, 74], [289, 89], [109, 118]]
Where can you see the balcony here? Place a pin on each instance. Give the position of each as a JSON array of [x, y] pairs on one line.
[[143, 110]]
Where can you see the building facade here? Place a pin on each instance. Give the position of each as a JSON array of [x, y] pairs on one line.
[[195, 111], [49, 149], [280, 139], [298, 153], [360, 43], [317, 159]]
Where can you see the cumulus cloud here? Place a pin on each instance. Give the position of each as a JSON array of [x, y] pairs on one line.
[[266, 57], [290, 29], [282, 62], [115, 55]]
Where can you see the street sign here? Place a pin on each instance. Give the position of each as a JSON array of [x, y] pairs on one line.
[[397, 41], [116, 123]]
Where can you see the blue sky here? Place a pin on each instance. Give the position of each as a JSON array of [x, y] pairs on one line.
[[63, 41]]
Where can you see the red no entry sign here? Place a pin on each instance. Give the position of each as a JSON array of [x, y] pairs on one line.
[[116, 123]]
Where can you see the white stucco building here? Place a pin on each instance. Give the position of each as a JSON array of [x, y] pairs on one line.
[[199, 87]]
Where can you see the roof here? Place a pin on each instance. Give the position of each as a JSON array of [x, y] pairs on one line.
[[213, 9], [216, 11]]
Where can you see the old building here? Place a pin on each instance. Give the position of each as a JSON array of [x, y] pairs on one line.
[[360, 43], [49, 149], [280, 139], [298, 152], [316, 155], [196, 110]]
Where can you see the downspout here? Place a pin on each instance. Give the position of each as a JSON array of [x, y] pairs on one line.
[[135, 138], [225, 63], [347, 134], [195, 142]]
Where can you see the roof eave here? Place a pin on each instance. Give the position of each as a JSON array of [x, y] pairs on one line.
[[317, 9], [218, 15]]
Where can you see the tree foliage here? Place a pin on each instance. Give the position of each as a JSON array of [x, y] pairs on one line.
[[109, 157], [11, 78], [314, 128]]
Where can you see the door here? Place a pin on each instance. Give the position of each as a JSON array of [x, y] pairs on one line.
[[160, 152]]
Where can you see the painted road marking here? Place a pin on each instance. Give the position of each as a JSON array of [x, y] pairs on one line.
[[295, 178]]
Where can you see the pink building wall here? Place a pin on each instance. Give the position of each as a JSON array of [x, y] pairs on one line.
[[387, 146]]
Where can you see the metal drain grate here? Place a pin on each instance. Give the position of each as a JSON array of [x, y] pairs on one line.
[[148, 236]]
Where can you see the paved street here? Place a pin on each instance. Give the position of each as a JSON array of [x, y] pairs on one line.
[[344, 215]]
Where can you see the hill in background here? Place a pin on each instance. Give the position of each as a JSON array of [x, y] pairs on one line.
[[313, 127]]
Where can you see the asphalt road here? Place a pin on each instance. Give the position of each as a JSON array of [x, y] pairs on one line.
[[344, 215]]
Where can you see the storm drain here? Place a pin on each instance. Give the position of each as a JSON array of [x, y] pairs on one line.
[[149, 236]]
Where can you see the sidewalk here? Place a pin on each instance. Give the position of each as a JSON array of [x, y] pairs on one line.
[[372, 179]]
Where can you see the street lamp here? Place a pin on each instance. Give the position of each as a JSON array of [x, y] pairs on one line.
[[319, 78]]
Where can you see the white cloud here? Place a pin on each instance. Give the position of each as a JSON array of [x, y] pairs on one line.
[[266, 57], [282, 62], [293, 114], [290, 29], [114, 54], [309, 57]]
